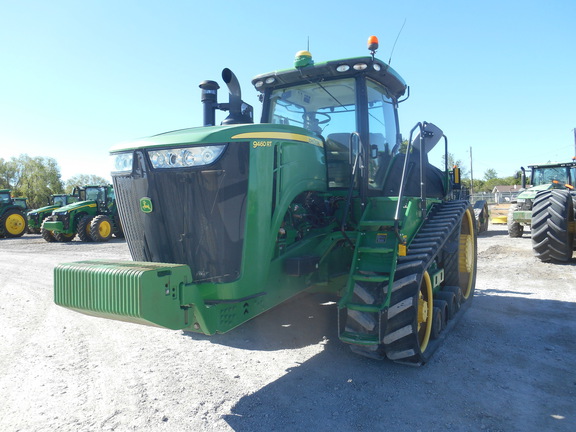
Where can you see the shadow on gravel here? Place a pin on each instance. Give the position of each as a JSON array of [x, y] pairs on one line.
[[507, 366], [304, 320]]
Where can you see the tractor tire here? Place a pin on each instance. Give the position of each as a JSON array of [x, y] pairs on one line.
[[13, 224], [83, 228], [61, 237], [552, 219], [47, 234], [515, 229], [482, 216], [101, 228], [118, 230]]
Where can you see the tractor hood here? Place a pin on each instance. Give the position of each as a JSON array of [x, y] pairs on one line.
[[220, 134], [43, 209], [530, 193], [75, 206]]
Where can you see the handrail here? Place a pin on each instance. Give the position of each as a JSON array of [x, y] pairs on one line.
[[401, 239], [355, 166]]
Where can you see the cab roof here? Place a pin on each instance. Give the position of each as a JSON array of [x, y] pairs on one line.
[[373, 68]]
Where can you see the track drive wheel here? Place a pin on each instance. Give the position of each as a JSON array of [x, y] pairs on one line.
[[515, 229], [83, 228], [552, 225], [460, 270], [13, 224], [101, 228]]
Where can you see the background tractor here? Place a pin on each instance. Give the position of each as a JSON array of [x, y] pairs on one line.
[[36, 217], [12, 215], [225, 222], [548, 207], [93, 219]]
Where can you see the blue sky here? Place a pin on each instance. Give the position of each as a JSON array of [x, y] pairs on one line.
[[77, 77]]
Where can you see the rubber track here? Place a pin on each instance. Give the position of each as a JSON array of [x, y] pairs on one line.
[[437, 235]]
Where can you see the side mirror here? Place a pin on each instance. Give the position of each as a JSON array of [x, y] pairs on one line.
[[431, 133]]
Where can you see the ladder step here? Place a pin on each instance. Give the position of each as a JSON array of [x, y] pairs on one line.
[[370, 278], [363, 307], [372, 223], [368, 249]]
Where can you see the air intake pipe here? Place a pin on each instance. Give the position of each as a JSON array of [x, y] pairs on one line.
[[209, 100]]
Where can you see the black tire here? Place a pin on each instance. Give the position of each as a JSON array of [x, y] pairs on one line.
[[13, 224], [515, 229], [552, 218], [118, 231], [83, 228], [101, 228], [482, 216], [62, 237], [47, 234]]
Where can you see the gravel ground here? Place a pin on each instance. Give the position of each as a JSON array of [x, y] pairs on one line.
[[507, 366]]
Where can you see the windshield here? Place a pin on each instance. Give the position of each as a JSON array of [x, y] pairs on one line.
[[546, 175], [322, 108], [59, 201], [95, 194], [4, 198], [329, 109]]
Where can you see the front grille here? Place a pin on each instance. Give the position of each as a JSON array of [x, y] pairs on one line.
[[197, 217]]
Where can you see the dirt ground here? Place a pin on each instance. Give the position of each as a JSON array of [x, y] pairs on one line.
[[509, 365]]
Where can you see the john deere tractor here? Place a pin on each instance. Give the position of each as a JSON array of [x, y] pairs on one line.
[[225, 222], [548, 208], [93, 219], [36, 217], [12, 215]]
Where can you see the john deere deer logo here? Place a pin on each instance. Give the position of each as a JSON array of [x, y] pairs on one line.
[[146, 205]]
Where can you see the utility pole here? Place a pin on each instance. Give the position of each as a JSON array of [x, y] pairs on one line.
[[472, 175]]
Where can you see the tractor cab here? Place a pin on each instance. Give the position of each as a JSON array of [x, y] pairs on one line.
[[352, 106], [559, 175]]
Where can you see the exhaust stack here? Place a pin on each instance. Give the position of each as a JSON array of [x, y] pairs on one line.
[[239, 111]]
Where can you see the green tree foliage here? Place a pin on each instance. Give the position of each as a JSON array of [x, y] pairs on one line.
[[35, 178], [83, 180], [490, 174]]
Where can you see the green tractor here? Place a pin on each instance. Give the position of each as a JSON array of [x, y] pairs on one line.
[[12, 215], [548, 208], [36, 217], [226, 222], [95, 218]]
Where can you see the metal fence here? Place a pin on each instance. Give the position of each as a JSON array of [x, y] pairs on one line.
[[494, 198]]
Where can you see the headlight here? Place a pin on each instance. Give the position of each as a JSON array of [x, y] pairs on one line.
[[122, 162], [185, 157]]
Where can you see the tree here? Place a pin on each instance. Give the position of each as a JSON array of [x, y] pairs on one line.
[[83, 180], [452, 162], [35, 178], [490, 174]]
